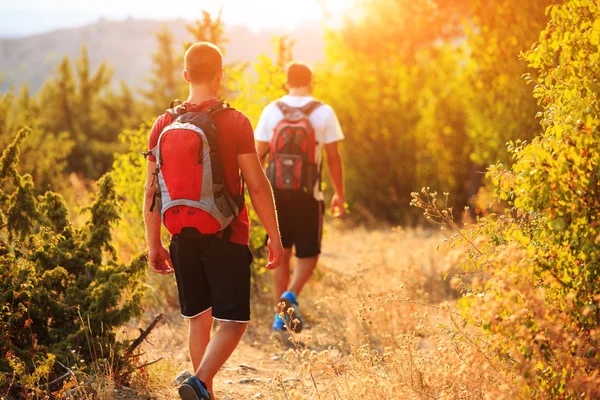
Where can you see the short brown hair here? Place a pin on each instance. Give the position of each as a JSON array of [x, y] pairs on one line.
[[298, 74], [203, 60]]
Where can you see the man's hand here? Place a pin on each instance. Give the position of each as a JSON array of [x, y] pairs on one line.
[[275, 254], [160, 260], [337, 206]]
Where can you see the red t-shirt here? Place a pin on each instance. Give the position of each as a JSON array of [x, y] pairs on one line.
[[234, 136]]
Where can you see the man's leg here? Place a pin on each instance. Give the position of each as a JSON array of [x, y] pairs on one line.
[[220, 347], [194, 293], [281, 275], [199, 336], [228, 271], [309, 226], [286, 209], [302, 273]]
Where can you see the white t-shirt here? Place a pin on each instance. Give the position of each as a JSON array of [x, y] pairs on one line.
[[323, 119]]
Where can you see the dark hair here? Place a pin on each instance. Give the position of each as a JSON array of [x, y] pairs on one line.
[[298, 74], [203, 60]]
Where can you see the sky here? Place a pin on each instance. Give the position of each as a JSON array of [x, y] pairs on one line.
[[26, 17]]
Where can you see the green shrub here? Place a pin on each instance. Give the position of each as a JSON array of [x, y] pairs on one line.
[[61, 290], [541, 302]]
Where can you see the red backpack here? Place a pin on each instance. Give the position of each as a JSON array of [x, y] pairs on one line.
[[190, 188], [292, 167]]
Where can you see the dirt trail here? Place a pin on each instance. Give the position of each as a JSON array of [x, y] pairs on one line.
[[258, 368], [255, 370]]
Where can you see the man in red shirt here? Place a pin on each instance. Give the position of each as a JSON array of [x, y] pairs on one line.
[[212, 272]]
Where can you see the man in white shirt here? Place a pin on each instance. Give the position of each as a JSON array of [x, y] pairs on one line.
[[301, 217]]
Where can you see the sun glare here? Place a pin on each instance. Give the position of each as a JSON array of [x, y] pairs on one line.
[[260, 14], [334, 11], [338, 6]]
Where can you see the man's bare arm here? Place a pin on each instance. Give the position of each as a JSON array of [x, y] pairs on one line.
[[262, 148], [336, 172], [261, 195], [151, 218], [158, 256]]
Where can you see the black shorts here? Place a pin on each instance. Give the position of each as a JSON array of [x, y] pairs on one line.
[[300, 224], [212, 273]]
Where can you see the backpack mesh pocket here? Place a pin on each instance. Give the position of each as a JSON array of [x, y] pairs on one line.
[[286, 171]]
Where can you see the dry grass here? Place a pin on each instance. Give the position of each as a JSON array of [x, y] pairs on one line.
[[382, 325]]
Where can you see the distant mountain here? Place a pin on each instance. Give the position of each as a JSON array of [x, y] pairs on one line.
[[127, 46]]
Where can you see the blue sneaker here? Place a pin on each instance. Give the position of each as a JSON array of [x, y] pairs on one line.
[[194, 389], [278, 324], [294, 320]]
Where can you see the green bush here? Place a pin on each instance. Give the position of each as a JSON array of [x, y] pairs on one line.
[[541, 302], [61, 290]]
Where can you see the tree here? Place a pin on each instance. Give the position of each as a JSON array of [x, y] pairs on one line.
[[501, 107], [398, 90], [252, 89], [166, 73], [44, 154], [166, 81], [540, 305], [208, 29], [391, 26], [84, 105]]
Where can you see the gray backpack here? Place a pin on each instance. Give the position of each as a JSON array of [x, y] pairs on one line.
[[292, 168]]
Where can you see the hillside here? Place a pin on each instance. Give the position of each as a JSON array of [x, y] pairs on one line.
[[126, 45]]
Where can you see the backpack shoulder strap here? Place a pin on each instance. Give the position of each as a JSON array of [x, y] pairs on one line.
[[219, 107], [287, 110], [176, 109], [310, 107], [176, 103]]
